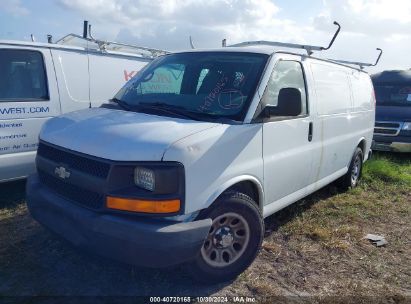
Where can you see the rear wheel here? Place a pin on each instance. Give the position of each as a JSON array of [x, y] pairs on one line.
[[352, 177], [233, 241]]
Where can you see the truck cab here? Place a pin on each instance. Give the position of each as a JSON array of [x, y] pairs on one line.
[[393, 111]]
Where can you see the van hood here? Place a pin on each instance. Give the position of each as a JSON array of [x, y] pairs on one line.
[[119, 135], [392, 113]]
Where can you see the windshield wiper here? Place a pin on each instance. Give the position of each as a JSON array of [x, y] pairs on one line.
[[121, 103], [170, 109], [179, 110]]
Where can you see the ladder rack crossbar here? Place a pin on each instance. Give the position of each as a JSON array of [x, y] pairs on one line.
[[360, 64], [111, 46], [308, 48]]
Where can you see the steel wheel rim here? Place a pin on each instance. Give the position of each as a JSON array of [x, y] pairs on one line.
[[356, 169], [226, 241]]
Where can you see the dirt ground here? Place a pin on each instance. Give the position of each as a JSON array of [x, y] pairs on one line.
[[314, 251]]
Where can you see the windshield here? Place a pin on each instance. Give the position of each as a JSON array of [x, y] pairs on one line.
[[393, 94], [205, 85]]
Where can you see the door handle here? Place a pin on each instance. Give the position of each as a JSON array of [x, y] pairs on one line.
[[310, 131]]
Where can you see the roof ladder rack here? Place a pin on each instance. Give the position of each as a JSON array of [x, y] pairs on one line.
[[105, 46], [309, 48], [362, 65]]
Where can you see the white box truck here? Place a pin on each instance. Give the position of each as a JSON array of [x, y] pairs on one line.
[[43, 80], [186, 171]]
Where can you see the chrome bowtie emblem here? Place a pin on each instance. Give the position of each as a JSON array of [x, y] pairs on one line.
[[62, 172]]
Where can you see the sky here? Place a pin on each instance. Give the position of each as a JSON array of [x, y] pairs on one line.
[[167, 24]]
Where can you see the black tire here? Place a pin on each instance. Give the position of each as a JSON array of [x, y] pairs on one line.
[[352, 177], [229, 205]]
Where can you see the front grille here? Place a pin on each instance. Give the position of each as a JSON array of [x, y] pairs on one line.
[[381, 124], [385, 131], [387, 128], [85, 198], [74, 161]]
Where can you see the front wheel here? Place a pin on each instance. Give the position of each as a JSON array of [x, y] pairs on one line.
[[233, 241]]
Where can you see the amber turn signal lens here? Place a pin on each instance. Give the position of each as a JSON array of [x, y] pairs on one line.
[[144, 206]]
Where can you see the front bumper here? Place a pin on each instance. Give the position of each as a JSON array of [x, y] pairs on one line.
[[391, 144], [134, 240]]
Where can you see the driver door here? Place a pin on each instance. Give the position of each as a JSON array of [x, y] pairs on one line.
[[287, 151]]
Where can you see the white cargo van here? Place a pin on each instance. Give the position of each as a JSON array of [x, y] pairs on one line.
[[188, 170], [39, 81]]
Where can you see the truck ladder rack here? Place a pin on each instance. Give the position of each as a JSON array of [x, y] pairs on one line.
[[308, 48], [362, 65]]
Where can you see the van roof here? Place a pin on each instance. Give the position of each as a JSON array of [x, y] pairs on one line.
[[267, 51], [393, 76], [249, 49], [257, 50], [37, 44], [19, 43]]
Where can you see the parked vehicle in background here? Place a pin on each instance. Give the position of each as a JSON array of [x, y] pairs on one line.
[[186, 172], [43, 80], [393, 114]]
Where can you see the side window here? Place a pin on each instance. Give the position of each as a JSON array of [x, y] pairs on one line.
[[164, 80], [22, 76], [286, 74]]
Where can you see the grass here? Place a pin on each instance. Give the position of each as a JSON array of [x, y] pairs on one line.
[[317, 245], [387, 168], [331, 221], [313, 251]]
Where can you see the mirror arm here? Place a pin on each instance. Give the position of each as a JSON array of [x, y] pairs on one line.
[[266, 112]]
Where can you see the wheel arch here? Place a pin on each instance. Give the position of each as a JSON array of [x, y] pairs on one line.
[[362, 144], [246, 184]]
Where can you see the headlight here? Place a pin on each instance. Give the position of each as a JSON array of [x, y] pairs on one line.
[[147, 187], [407, 126], [145, 178]]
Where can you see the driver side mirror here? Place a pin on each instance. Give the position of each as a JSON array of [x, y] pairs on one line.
[[289, 104]]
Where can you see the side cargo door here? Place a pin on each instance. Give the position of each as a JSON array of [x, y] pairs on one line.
[[28, 97], [335, 136], [287, 149]]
